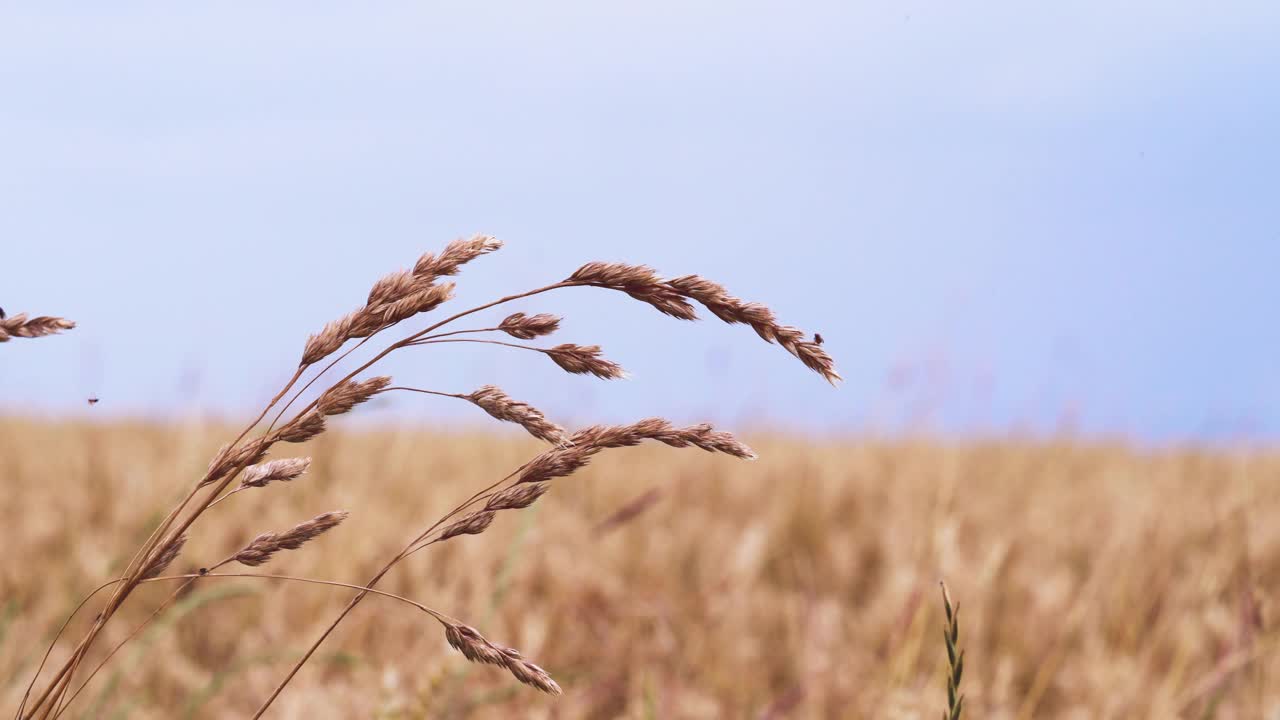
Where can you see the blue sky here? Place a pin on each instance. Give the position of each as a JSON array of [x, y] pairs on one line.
[[1002, 217]]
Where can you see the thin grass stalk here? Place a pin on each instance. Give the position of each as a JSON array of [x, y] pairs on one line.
[[955, 657]]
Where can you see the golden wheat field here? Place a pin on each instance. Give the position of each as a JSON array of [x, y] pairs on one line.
[[1093, 580]]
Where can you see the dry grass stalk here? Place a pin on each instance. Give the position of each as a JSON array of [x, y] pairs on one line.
[[955, 657], [283, 470], [20, 326], [526, 327], [503, 407], [477, 649], [393, 299], [265, 545]]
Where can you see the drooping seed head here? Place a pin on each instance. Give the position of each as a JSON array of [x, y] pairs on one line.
[[585, 360], [528, 327], [344, 396], [265, 545], [282, 470], [502, 407], [731, 309], [638, 281], [476, 648]]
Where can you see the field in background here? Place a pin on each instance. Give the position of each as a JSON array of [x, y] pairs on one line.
[[1093, 581]]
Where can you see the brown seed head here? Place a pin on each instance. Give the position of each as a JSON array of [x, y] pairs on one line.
[[477, 649], [421, 300], [761, 319], [585, 360], [344, 396], [283, 470], [165, 557], [390, 288], [562, 461], [455, 255], [472, 524], [22, 327], [265, 545], [638, 281], [227, 459], [517, 496], [528, 327], [501, 406], [302, 429]]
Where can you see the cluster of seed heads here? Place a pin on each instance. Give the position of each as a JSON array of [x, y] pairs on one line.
[[393, 299]]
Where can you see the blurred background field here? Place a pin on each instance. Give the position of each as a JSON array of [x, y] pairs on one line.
[[1094, 580]]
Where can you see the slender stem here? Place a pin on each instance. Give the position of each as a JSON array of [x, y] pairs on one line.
[[463, 332], [54, 642], [53, 693], [440, 617], [460, 396], [103, 663], [486, 342]]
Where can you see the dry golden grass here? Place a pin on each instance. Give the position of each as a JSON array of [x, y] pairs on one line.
[[1095, 581]]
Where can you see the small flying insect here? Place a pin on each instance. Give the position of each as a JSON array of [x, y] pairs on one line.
[[817, 338], [93, 400]]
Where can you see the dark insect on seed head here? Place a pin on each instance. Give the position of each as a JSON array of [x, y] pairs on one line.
[[817, 338]]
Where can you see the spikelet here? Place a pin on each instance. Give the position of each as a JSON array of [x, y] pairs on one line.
[[761, 319], [227, 459], [517, 496], [476, 648], [455, 255], [301, 429], [528, 327], [265, 545], [638, 281], [344, 396], [585, 360], [472, 524], [165, 557], [19, 326], [502, 407], [282, 470], [562, 461]]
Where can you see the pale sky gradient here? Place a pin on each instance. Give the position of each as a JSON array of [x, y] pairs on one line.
[[1002, 216]]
